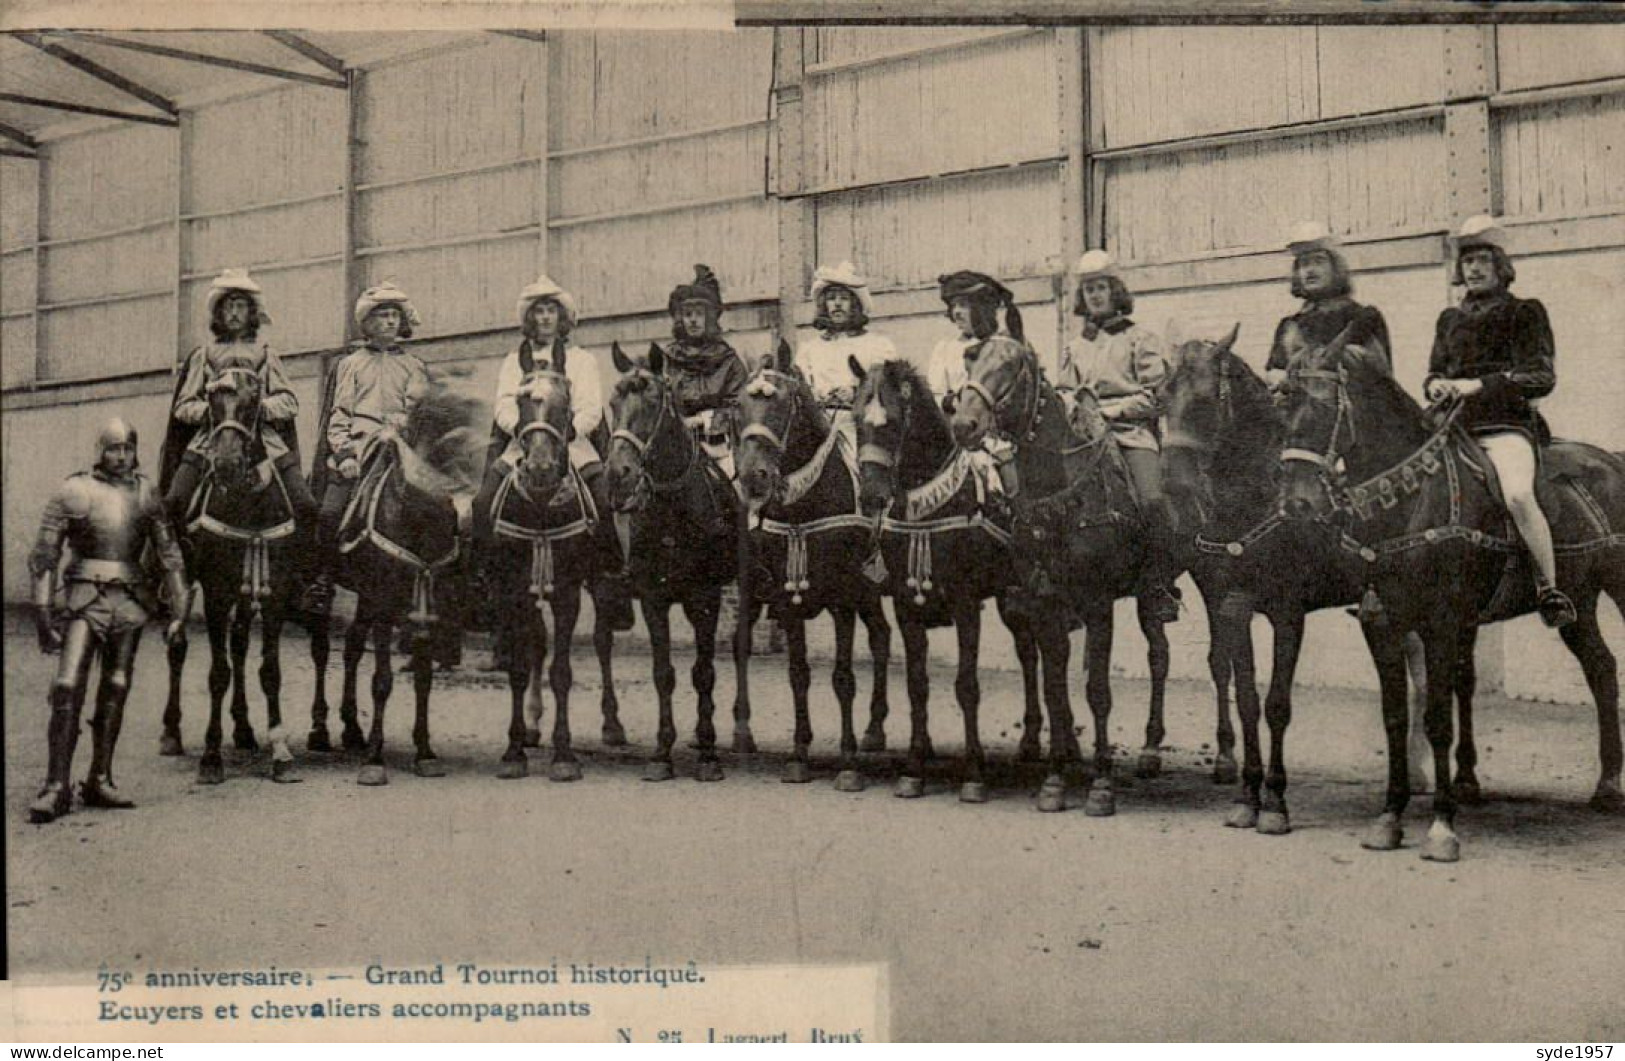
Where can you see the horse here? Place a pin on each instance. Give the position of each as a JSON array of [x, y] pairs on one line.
[[925, 496], [1410, 493], [809, 538], [239, 531], [1079, 547], [1220, 461], [684, 548], [398, 539], [548, 543]]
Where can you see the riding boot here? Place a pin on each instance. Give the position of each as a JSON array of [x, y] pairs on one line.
[[56, 795], [98, 789], [1556, 609]]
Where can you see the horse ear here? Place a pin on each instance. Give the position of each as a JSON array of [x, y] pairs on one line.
[[657, 359], [623, 364], [1229, 341], [857, 368], [786, 358]]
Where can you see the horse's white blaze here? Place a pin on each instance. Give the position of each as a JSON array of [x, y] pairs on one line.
[[875, 415]]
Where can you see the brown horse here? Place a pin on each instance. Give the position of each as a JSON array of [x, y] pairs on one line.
[[684, 542], [809, 542], [943, 549], [1413, 496]]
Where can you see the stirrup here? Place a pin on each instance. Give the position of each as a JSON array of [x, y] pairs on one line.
[[1556, 610]]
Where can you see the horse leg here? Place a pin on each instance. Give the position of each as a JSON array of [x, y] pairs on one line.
[[1416, 668], [1442, 647], [613, 734], [535, 707], [911, 783], [521, 667], [383, 680], [1388, 654], [242, 627], [1031, 748], [657, 618], [968, 690], [426, 763], [1054, 642], [355, 647], [282, 764], [1102, 799], [321, 632], [703, 611], [845, 684], [744, 740], [798, 769], [1156, 659], [1584, 640], [566, 609], [1466, 780], [1275, 819], [879, 631], [1233, 632], [1218, 667], [170, 742], [211, 768]]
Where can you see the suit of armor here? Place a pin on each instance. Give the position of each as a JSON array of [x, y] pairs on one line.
[[108, 517]]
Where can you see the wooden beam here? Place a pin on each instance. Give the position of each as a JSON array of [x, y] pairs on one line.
[[80, 108], [100, 72], [539, 36], [1166, 12], [320, 56], [13, 152], [200, 57], [16, 135]]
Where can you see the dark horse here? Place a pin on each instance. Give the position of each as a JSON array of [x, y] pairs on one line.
[[1079, 546], [399, 543], [943, 549], [239, 532], [549, 542], [809, 542], [684, 542], [1413, 496], [1221, 458]]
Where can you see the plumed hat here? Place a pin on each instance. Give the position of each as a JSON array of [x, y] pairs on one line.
[[705, 288]]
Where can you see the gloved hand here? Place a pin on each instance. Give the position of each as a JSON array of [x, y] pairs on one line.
[[350, 468]]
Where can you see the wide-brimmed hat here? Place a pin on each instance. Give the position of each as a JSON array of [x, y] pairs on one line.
[[1095, 264], [386, 294], [1312, 236], [843, 275], [1480, 230], [544, 287], [236, 281]]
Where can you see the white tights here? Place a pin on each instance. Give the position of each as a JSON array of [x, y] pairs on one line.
[[1514, 458]]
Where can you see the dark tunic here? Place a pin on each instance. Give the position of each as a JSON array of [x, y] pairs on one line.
[[1319, 322], [704, 376], [1506, 344]]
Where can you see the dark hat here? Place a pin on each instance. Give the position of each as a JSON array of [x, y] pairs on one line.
[[966, 284], [705, 288]]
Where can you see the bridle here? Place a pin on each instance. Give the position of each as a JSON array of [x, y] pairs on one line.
[[640, 445], [223, 383], [779, 443], [1330, 460], [1205, 451], [540, 425], [1025, 387]]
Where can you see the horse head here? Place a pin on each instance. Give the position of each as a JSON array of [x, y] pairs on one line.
[[544, 431], [774, 403], [1000, 394], [1318, 426], [234, 428], [643, 419], [902, 435], [1199, 402]]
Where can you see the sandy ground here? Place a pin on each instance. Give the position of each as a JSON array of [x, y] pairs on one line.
[[995, 921]]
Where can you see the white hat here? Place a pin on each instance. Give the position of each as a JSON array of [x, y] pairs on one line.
[[236, 280], [385, 294], [1096, 263], [843, 275], [1311, 236], [544, 287], [1481, 230]]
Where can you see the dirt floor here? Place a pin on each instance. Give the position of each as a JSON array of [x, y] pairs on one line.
[[995, 921]]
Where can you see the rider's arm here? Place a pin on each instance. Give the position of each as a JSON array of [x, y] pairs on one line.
[[505, 409], [1438, 360], [191, 404], [1533, 373], [281, 404], [586, 394], [339, 419]]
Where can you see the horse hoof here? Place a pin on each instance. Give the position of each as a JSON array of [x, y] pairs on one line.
[[170, 745], [1149, 766], [372, 774], [1052, 796], [285, 772], [1467, 793], [1608, 798], [1242, 816], [533, 738], [1029, 751], [613, 736], [849, 781], [1441, 846], [659, 771], [744, 742], [353, 741], [513, 769], [564, 770], [797, 772], [910, 787], [708, 770], [1100, 804], [973, 792], [1274, 823], [211, 772], [1224, 770], [428, 768], [244, 740], [874, 740], [1385, 834], [319, 741]]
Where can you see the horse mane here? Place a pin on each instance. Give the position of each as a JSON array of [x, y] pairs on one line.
[[441, 432], [923, 408], [1399, 406]]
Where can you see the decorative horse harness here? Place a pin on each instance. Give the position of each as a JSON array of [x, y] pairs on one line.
[[424, 572]]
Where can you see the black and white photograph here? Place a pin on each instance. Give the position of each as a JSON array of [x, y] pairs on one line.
[[788, 521]]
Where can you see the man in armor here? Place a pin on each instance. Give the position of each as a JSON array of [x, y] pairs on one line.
[[108, 516]]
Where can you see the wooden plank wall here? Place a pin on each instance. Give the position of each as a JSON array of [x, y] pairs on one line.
[[19, 284]]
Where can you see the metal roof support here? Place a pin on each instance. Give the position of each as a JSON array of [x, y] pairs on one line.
[[200, 57], [80, 108], [317, 55], [100, 72]]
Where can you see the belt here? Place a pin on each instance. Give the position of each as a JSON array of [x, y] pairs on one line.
[[104, 571]]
